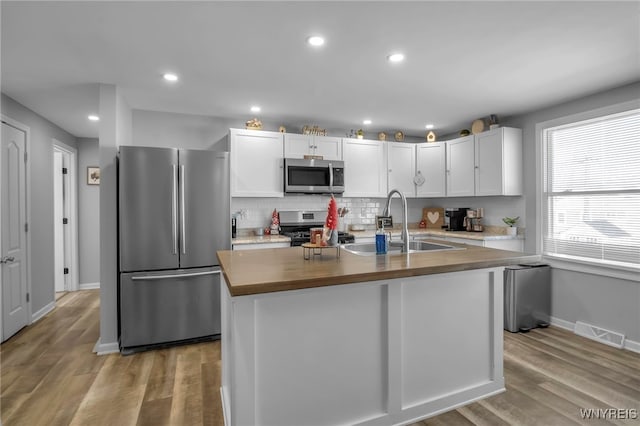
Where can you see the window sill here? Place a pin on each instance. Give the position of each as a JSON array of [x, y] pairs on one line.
[[592, 268]]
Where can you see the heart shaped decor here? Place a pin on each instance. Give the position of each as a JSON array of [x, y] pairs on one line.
[[433, 216]]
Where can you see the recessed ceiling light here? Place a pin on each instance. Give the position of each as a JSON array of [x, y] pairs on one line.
[[429, 126], [170, 77], [366, 121], [255, 108], [93, 118], [315, 41], [395, 57]]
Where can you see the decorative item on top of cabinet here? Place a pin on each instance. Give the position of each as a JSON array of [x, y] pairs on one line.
[[360, 134], [493, 122], [464, 132], [254, 124], [477, 126], [382, 136], [434, 217], [314, 130], [399, 136], [282, 129], [431, 136]]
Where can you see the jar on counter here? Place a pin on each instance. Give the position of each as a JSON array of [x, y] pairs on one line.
[[316, 236]]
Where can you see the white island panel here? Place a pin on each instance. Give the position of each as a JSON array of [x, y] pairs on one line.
[[446, 325], [385, 352], [320, 349]]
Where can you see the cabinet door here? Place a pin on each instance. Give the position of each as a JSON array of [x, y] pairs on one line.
[[297, 146], [260, 246], [431, 164], [460, 167], [329, 147], [511, 245], [256, 163], [499, 162], [489, 167], [401, 163], [365, 173]]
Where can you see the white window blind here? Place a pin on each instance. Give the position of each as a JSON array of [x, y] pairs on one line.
[[591, 195]]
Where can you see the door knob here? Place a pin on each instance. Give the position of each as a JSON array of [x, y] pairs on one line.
[[7, 259]]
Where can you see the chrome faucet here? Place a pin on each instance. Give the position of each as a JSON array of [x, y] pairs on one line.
[[405, 223]]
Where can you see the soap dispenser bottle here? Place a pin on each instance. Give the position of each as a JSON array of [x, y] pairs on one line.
[[381, 241]]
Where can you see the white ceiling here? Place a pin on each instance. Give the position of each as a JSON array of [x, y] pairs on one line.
[[464, 60]]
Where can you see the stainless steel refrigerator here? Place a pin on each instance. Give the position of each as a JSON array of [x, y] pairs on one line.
[[173, 216]]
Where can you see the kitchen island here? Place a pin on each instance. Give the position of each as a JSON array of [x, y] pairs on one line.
[[370, 340]]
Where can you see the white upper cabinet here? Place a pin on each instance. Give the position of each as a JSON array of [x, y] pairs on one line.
[[498, 159], [256, 163], [401, 167], [460, 174], [365, 172], [297, 146], [431, 165]]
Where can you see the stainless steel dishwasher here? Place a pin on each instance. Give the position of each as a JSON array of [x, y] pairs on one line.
[[527, 297]]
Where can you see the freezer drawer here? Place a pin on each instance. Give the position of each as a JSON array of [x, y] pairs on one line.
[[169, 306], [527, 297]]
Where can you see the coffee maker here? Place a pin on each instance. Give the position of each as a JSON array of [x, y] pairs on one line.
[[455, 218]]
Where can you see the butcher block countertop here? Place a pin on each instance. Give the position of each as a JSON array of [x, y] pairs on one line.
[[282, 269]]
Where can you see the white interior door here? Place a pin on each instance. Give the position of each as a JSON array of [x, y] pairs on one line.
[[13, 241], [58, 227]]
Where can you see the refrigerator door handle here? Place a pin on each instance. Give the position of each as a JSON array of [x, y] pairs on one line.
[[174, 210], [164, 277], [183, 236]]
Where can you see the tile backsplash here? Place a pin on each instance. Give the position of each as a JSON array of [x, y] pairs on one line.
[[256, 212]]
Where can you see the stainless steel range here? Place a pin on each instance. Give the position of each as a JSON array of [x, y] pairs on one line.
[[297, 224]]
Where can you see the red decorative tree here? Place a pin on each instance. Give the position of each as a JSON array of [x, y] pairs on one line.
[[332, 214], [330, 231]]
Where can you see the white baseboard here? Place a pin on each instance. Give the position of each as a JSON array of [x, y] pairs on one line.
[[42, 312], [567, 325], [89, 286], [630, 345], [106, 348]]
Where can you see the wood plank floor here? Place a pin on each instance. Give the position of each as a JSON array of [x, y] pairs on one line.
[[49, 376]]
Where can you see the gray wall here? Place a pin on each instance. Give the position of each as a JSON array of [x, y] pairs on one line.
[[606, 302], [164, 129], [115, 130], [42, 133], [88, 214]]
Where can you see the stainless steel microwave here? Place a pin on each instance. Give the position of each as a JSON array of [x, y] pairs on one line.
[[313, 176]]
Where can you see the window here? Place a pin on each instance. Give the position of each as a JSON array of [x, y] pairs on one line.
[[591, 190]]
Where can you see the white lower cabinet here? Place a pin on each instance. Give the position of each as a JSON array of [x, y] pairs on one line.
[[257, 246], [511, 245]]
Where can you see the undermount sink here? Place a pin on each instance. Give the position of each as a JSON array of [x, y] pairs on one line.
[[395, 247]]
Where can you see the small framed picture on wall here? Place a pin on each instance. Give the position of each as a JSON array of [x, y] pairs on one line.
[[93, 175]]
